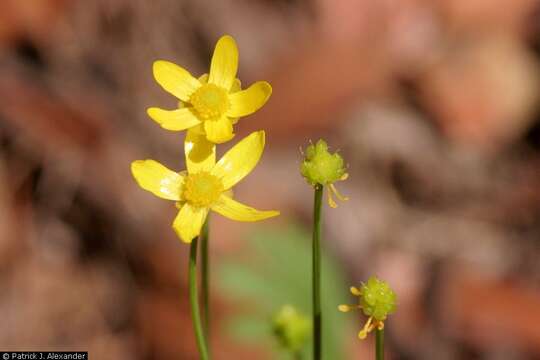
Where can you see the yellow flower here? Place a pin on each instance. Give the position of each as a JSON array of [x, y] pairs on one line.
[[206, 184], [211, 104]]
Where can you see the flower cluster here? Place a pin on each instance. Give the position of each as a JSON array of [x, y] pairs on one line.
[[208, 108], [377, 301]]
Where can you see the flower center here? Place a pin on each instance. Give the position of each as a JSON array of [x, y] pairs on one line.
[[210, 101], [202, 189]]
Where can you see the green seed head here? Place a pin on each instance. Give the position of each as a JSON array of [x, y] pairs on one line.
[[377, 299], [291, 328], [320, 167]]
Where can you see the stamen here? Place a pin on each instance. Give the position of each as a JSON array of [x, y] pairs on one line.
[[368, 327], [210, 102], [355, 291], [331, 201], [339, 196], [202, 189], [347, 308]]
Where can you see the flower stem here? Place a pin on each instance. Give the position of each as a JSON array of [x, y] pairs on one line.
[[316, 255], [205, 282], [379, 344], [194, 300]]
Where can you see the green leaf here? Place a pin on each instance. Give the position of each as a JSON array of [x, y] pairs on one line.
[[278, 272]]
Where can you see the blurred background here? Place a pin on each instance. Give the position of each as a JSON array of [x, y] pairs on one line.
[[433, 104]]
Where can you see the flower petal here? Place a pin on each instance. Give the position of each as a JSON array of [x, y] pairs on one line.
[[200, 153], [248, 101], [224, 63], [240, 159], [175, 79], [156, 178], [189, 221], [236, 86], [219, 131], [175, 120], [240, 212], [199, 129], [204, 78]]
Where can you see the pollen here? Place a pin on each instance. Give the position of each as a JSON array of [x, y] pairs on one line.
[[202, 189], [210, 102]]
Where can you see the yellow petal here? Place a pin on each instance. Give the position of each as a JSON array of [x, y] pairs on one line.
[[248, 101], [240, 212], [240, 159], [175, 80], [236, 86], [156, 178], [203, 78], [175, 120], [219, 131], [199, 129], [189, 221], [200, 153], [224, 63]]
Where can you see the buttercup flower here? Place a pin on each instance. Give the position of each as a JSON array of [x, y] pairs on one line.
[[206, 184], [211, 104], [291, 328], [320, 168], [377, 301]]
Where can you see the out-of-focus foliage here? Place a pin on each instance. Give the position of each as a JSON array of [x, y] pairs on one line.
[[278, 272]]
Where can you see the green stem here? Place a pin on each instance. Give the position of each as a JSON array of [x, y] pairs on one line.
[[379, 344], [317, 316], [194, 300], [205, 282]]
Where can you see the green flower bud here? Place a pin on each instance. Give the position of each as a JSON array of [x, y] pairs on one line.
[[320, 167], [291, 328], [377, 299]]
